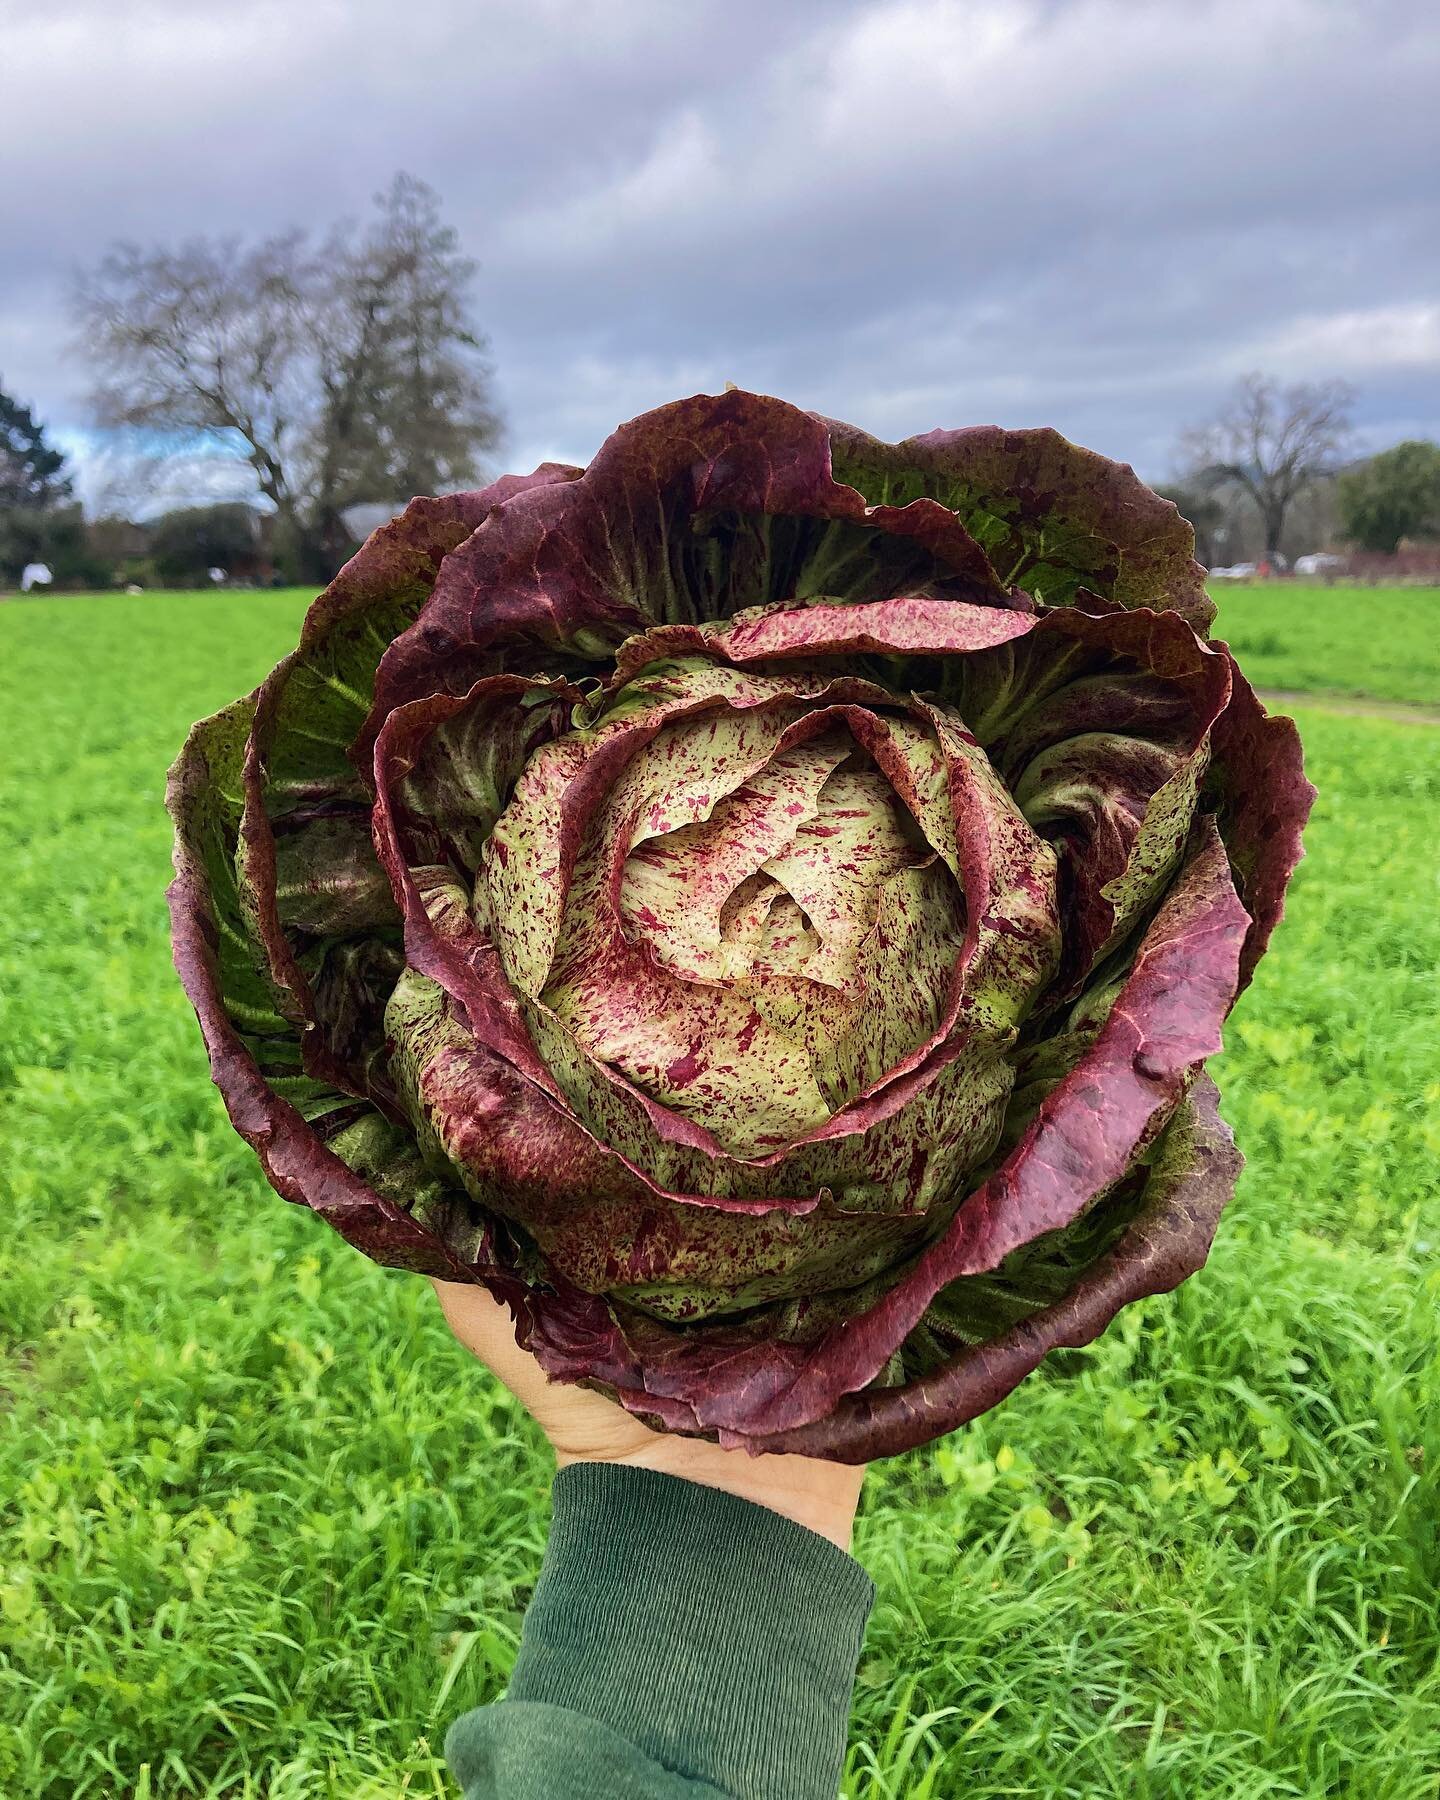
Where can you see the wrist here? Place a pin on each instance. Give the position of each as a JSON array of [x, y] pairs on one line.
[[821, 1496]]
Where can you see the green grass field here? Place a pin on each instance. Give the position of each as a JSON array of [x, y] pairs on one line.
[[264, 1529], [1380, 643]]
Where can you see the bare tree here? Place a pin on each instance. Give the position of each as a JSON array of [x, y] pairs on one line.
[[1272, 443], [343, 371]]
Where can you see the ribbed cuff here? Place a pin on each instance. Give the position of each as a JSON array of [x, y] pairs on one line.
[[720, 1637]]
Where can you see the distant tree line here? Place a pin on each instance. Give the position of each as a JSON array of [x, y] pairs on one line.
[[339, 376], [339, 373], [1274, 472], [1391, 498], [40, 522]]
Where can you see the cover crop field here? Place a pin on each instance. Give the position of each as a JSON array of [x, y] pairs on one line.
[[264, 1529], [1381, 644]]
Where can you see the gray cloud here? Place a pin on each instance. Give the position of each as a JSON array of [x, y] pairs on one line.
[[904, 212]]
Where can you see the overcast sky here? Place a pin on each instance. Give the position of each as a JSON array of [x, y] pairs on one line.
[[905, 213]]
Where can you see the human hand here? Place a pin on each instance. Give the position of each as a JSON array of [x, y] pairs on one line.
[[583, 1426]]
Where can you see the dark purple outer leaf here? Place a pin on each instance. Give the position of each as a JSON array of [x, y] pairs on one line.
[[1053, 518], [296, 1162], [297, 768], [233, 953], [1258, 776]]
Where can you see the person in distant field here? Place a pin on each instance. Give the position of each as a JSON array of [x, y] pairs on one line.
[[697, 1623]]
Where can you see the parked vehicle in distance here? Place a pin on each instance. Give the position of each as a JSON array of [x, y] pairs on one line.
[[1234, 572]]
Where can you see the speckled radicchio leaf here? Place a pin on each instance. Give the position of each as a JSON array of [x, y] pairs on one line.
[[762, 905]]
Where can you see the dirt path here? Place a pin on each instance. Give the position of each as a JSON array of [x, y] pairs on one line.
[[1355, 705]]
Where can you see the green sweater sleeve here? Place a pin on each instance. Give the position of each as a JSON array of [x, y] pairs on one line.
[[681, 1644]]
